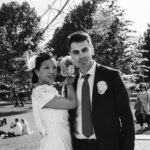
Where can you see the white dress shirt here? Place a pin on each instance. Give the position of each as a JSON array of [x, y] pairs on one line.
[[17, 128], [78, 121]]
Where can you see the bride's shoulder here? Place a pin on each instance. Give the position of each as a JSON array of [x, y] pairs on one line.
[[44, 91], [43, 87]]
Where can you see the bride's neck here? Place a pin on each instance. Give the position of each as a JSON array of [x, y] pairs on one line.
[[38, 84]]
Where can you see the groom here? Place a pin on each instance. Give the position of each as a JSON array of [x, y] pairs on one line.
[[103, 119]]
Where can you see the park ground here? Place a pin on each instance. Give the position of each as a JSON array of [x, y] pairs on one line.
[[32, 141], [25, 142]]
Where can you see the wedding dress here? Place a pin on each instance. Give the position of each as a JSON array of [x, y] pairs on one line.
[[51, 123]]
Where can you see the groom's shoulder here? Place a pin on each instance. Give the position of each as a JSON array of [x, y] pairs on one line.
[[107, 69]]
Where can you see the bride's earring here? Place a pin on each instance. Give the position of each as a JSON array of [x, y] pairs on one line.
[[36, 72]]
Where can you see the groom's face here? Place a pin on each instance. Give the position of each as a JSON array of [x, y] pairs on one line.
[[81, 53]]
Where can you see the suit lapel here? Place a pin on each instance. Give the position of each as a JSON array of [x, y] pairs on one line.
[[72, 112], [98, 77], [75, 82]]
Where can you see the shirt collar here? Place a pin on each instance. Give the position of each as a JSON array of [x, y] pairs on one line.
[[91, 71]]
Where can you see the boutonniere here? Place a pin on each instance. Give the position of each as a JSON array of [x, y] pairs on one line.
[[101, 87]]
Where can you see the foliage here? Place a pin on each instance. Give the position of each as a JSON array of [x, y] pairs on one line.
[[79, 18], [114, 43], [146, 46], [21, 26], [135, 60], [112, 39], [110, 32], [19, 32]]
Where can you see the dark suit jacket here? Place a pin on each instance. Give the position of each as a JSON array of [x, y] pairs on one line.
[[111, 114]]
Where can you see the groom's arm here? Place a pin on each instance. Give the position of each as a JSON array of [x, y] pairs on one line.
[[124, 111]]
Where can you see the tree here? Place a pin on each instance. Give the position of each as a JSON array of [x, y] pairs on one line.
[[146, 46], [134, 60], [21, 25], [5, 50], [114, 43], [110, 34], [19, 30], [80, 18]]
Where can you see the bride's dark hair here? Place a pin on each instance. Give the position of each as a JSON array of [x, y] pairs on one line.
[[39, 59]]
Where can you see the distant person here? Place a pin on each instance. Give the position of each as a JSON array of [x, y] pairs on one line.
[[25, 127], [144, 98], [3, 122], [140, 114], [16, 104], [17, 127], [2, 133]]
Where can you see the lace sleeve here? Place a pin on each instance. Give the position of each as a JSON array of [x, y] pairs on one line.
[[40, 96], [44, 94]]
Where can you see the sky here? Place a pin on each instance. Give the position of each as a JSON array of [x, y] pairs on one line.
[[137, 11]]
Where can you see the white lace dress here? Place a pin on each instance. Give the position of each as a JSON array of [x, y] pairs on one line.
[[52, 123]]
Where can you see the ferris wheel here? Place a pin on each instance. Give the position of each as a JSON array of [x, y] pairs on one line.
[[54, 16]]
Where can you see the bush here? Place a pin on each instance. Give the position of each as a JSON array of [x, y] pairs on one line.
[[4, 86], [4, 94]]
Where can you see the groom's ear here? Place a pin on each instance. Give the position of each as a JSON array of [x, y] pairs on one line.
[[92, 49]]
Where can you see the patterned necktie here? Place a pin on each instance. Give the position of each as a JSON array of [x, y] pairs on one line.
[[87, 127]]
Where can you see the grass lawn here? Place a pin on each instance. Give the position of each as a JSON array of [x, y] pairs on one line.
[[24, 142]]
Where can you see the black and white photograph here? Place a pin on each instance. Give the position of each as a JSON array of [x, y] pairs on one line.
[[75, 75]]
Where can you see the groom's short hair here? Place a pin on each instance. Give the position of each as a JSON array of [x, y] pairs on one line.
[[79, 36]]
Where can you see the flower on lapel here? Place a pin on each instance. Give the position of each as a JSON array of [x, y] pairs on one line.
[[101, 87]]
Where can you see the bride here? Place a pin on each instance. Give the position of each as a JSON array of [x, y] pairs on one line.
[[49, 108]]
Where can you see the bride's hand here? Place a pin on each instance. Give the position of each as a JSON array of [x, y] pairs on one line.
[[69, 80]]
